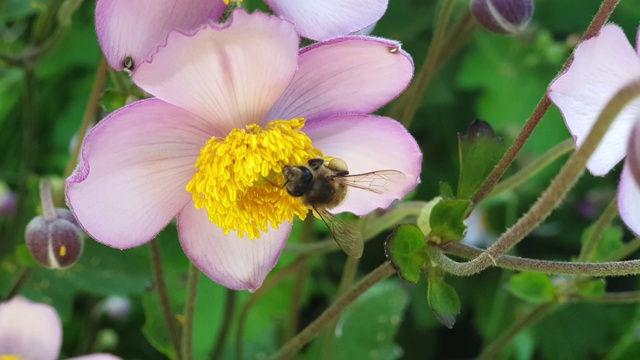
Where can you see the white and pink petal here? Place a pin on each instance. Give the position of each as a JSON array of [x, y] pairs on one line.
[[230, 75], [326, 19], [234, 262], [136, 29], [369, 143], [601, 66], [346, 75], [96, 357], [628, 200], [135, 165], [29, 330]]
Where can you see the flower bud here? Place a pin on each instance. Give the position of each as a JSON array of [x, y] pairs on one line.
[[507, 17], [8, 200], [54, 239]]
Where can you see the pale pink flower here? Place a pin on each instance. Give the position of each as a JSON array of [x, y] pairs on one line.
[[135, 29], [218, 84], [33, 331], [601, 66]]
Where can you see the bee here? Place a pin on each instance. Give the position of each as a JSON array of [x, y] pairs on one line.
[[323, 185]]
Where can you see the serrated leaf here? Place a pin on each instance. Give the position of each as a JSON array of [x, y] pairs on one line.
[[405, 249], [480, 150], [443, 301], [532, 287], [447, 220]]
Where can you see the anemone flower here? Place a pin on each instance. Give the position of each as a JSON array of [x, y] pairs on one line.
[[601, 66], [131, 31], [32, 331], [234, 103]]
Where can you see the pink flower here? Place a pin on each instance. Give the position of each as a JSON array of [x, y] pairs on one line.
[[33, 331], [234, 104], [602, 65], [135, 29]]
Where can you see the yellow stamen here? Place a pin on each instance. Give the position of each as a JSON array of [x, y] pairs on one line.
[[226, 2], [63, 250], [11, 357], [239, 179]]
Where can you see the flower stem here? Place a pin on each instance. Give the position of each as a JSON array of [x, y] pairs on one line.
[[496, 346], [227, 317], [89, 114], [19, 283], [554, 194], [46, 199], [605, 219], [613, 268], [596, 24], [348, 275], [269, 283], [311, 331], [624, 297], [534, 167], [161, 286], [190, 312]]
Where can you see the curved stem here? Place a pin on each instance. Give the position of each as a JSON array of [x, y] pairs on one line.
[[89, 114], [229, 309], [18, 285], [163, 293], [555, 193], [613, 268], [596, 24], [496, 346], [605, 219], [628, 249], [533, 168], [311, 331], [189, 312], [269, 283], [624, 297]]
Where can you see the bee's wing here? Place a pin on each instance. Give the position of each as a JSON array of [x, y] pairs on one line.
[[378, 182], [346, 235]]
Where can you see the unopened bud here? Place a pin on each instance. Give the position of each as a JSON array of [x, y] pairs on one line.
[[54, 239], [507, 17], [8, 200]]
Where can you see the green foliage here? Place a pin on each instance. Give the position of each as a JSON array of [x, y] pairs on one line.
[[405, 248], [533, 287], [447, 220], [480, 151], [443, 301], [609, 243]]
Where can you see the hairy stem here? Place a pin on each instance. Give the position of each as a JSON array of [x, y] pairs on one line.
[[534, 167], [46, 199], [163, 293], [332, 312], [596, 24], [190, 312], [555, 193], [613, 268]]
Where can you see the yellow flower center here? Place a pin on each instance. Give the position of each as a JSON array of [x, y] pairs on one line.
[[226, 2], [239, 179], [11, 357]]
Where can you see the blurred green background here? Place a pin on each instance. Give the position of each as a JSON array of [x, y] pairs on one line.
[[495, 78]]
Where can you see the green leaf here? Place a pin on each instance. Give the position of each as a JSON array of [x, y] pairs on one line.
[[609, 243], [405, 249], [368, 327], [447, 220], [480, 150], [111, 100], [593, 288], [443, 301], [532, 287], [155, 328], [446, 191]]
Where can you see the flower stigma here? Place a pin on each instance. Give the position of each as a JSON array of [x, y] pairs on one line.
[[239, 179]]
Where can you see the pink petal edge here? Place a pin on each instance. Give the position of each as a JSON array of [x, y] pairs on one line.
[[237, 263], [355, 74], [326, 19], [628, 200], [369, 143], [230, 74], [137, 28], [135, 166]]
